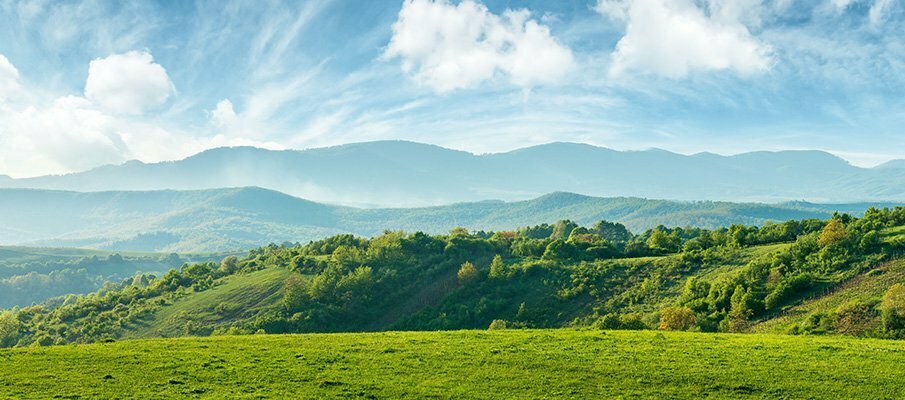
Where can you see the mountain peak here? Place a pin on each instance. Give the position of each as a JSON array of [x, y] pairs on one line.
[[232, 150]]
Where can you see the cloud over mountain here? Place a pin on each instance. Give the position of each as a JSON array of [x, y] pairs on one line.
[[128, 83]]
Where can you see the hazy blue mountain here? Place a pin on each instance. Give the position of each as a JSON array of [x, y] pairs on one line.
[[398, 173], [240, 218], [893, 164]]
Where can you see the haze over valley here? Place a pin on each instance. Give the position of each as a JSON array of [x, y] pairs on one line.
[[407, 174]]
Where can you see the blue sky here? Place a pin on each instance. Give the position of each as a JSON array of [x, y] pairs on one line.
[[95, 82]]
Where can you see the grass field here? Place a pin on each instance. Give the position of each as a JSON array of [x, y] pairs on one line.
[[463, 364]]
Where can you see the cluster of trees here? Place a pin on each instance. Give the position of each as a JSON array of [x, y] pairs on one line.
[[842, 248], [31, 281], [105, 314], [884, 317], [543, 276]]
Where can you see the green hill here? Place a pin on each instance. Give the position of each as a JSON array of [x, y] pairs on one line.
[[559, 363], [241, 218], [604, 283], [545, 276]]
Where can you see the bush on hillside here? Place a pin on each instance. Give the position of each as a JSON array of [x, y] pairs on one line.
[[677, 319]]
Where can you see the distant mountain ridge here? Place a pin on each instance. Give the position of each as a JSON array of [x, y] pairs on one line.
[[898, 164], [241, 218], [399, 173]]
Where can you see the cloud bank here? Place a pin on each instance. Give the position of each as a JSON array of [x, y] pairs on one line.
[[42, 134]]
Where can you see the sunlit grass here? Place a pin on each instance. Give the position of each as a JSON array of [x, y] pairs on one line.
[[464, 364]]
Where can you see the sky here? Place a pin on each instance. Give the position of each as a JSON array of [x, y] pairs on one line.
[[88, 83]]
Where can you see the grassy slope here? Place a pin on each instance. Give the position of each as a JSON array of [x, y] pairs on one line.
[[865, 287], [243, 295], [464, 364], [247, 294]]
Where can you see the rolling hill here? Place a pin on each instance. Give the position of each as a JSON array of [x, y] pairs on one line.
[[240, 218], [544, 312], [404, 174], [676, 279]]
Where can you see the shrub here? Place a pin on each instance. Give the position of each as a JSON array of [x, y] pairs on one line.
[[893, 308], [677, 319], [787, 289], [229, 265], [9, 328], [498, 324], [855, 318], [608, 321], [817, 323], [632, 321], [740, 310]]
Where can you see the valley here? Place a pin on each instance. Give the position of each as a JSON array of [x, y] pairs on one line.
[[238, 219]]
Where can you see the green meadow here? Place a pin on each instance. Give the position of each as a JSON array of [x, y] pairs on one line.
[[556, 363]]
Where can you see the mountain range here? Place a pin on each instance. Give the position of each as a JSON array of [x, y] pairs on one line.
[[405, 174], [240, 218]]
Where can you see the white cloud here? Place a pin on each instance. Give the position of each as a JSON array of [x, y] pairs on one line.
[[878, 11], [841, 4], [224, 116], [71, 134], [45, 134], [615, 9], [673, 38], [9, 79], [128, 83], [449, 47], [66, 135]]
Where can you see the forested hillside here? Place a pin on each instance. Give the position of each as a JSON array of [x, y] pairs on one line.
[[563, 274], [33, 275], [398, 173], [245, 218]]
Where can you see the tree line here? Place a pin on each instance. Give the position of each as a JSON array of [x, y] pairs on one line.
[[549, 275]]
